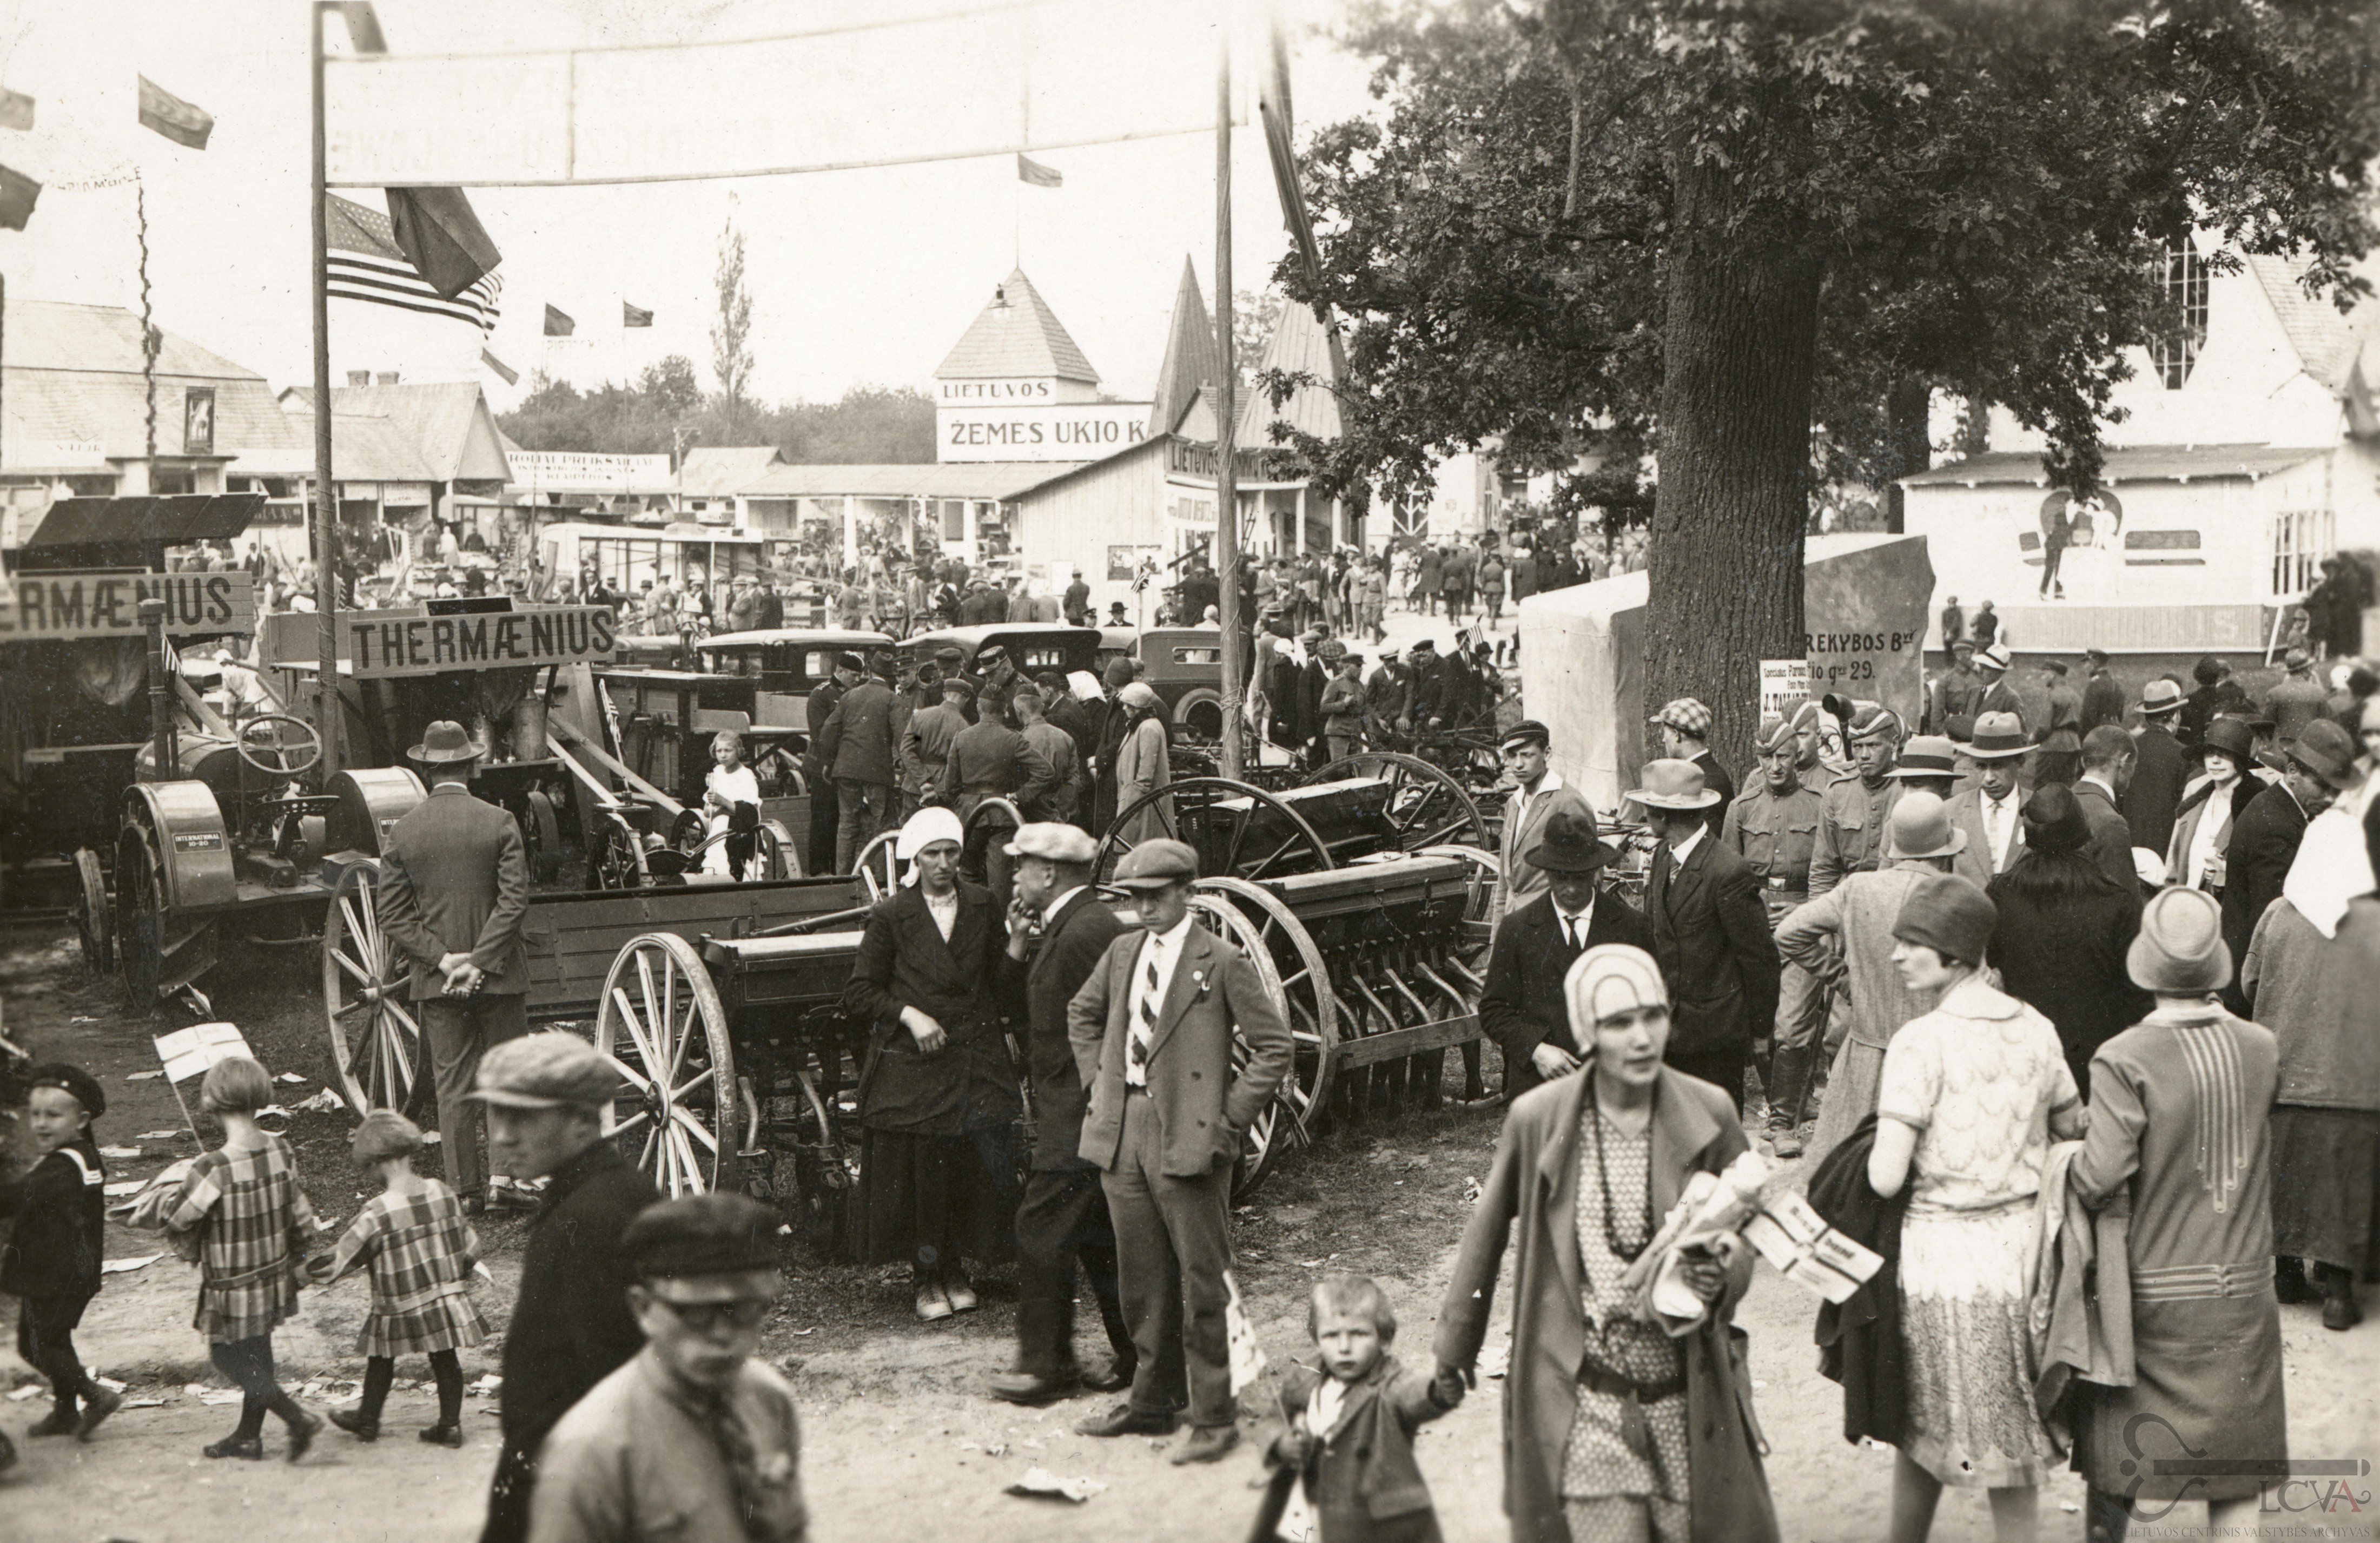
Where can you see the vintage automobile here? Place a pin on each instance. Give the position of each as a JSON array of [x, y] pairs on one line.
[[773, 673], [1185, 665], [1032, 647]]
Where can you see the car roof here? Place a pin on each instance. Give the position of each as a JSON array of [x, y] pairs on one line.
[[815, 638], [992, 632]]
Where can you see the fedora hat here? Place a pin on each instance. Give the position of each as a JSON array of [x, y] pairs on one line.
[[1928, 755], [441, 743], [1920, 827], [2235, 737], [1995, 657], [2180, 948], [2323, 749], [2160, 696], [1570, 844], [2054, 820], [1997, 736], [1672, 785]]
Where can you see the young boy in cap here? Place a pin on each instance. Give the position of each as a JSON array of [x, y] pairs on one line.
[[51, 1262], [1538, 794], [571, 1324], [694, 1437]]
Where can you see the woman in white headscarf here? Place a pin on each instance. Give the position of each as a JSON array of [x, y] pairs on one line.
[[938, 1097]]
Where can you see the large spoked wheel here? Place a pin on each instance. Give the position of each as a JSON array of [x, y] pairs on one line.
[[139, 914], [1422, 806], [1483, 872], [775, 852], [1238, 830], [541, 834], [94, 919], [616, 860], [879, 869], [279, 745], [376, 1042], [1270, 934], [993, 822], [663, 1028]]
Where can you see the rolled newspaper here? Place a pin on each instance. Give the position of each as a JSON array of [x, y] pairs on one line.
[[1711, 1212]]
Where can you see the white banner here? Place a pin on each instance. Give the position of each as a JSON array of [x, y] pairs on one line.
[[1003, 81], [1064, 432]]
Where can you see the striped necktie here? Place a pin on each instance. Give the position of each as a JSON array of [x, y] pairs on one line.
[[1144, 1023]]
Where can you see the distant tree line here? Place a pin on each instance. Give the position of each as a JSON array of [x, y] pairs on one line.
[[871, 425]]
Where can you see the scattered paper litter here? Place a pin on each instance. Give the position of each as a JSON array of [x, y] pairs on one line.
[[220, 1395], [1040, 1481], [270, 1108], [118, 1266], [167, 1135], [1470, 1191], [488, 1383], [997, 1449], [324, 1100], [144, 1404], [111, 1384], [798, 1333], [119, 1151], [21, 1394], [969, 1446], [144, 1076], [429, 1138], [2067, 1506], [194, 1389], [1495, 1360], [292, 1078]]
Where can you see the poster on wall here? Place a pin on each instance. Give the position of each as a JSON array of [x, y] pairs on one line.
[[198, 421], [1124, 562]]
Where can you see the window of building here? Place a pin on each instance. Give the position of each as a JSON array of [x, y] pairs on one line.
[[2302, 538], [2184, 273]]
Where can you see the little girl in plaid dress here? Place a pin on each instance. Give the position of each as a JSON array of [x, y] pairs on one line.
[[421, 1251], [241, 1216]]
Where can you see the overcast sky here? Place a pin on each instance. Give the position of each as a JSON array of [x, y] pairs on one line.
[[857, 277]]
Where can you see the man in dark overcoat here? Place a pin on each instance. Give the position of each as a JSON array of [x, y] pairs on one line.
[[2161, 768], [856, 746], [2266, 837], [1522, 1008]]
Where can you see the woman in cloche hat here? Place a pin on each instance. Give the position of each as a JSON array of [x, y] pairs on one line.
[[2179, 1127]]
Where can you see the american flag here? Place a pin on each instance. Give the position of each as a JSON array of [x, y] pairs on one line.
[[366, 265]]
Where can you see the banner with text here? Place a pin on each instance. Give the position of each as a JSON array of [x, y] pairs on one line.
[[381, 645], [1055, 431], [57, 606]]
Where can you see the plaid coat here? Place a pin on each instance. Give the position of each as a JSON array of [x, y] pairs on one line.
[[252, 1223], [420, 1251]]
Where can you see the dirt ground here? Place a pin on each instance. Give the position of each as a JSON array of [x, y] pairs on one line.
[[900, 1441]]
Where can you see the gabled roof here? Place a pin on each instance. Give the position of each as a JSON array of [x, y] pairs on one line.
[[718, 471], [2325, 338], [1017, 335], [1192, 359], [2141, 463], [73, 376], [1299, 346], [435, 433]]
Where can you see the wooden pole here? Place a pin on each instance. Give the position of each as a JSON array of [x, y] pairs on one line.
[[326, 493], [1227, 493]]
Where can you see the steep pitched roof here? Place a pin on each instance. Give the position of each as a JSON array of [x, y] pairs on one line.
[[2326, 338], [433, 432], [1192, 359], [73, 375], [1017, 335], [1299, 346], [723, 469]]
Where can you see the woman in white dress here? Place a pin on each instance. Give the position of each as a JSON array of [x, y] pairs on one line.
[[728, 784]]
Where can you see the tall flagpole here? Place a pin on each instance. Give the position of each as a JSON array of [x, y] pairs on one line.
[[1227, 492], [326, 493]]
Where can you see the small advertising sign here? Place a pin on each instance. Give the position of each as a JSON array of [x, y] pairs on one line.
[[58, 606]]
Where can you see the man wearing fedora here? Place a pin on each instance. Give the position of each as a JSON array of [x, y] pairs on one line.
[[2107, 760], [1773, 826], [1993, 662], [1153, 1030], [1853, 809], [2265, 839], [1684, 729], [1523, 1008], [1538, 794], [454, 892], [1710, 931], [1928, 763], [1990, 812], [2160, 766]]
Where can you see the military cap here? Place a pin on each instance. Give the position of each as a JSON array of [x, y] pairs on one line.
[[951, 654], [953, 687], [1426, 645], [1775, 734], [550, 1070], [1876, 723], [73, 1081], [1055, 840], [1685, 715], [847, 662], [1155, 864], [701, 1234]]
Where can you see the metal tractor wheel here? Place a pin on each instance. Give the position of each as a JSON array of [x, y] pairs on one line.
[[376, 1041], [94, 918], [1238, 830], [1423, 805]]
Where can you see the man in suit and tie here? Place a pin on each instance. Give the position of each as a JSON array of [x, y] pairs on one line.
[[1538, 794], [2107, 768], [1523, 1008], [1710, 932], [1684, 726], [1990, 812], [1064, 1213], [2266, 837], [454, 891], [2161, 768], [1992, 665], [1153, 1031]]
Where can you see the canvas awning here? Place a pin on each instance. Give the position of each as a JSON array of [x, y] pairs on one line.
[[171, 519]]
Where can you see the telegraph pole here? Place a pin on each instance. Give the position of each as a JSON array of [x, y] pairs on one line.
[[326, 493], [1227, 491]]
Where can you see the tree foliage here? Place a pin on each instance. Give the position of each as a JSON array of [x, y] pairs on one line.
[[870, 426], [731, 331]]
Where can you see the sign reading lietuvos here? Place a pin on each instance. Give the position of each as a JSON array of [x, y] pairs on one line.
[[383, 644], [60, 606]]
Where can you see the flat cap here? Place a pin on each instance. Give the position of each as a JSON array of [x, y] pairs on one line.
[[953, 687], [1528, 730], [1054, 841], [701, 1234], [1685, 715], [73, 1081], [1155, 864], [951, 653], [846, 662], [546, 1070]]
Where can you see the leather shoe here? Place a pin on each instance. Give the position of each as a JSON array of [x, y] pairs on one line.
[[2290, 1285], [961, 1296], [352, 1421], [2340, 1312], [1113, 1376], [475, 1203], [933, 1305], [1205, 1443], [1024, 1387], [1125, 1420]]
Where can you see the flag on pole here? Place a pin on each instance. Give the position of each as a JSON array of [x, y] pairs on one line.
[[558, 323], [442, 238], [363, 26], [1030, 170], [630, 316], [182, 122], [18, 193], [1248, 1357], [504, 372], [366, 264], [16, 109]]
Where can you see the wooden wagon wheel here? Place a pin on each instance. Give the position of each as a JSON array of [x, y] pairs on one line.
[[376, 1042], [776, 852], [878, 868], [1270, 934], [94, 919], [616, 859], [663, 1028], [541, 834], [139, 914], [1266, 840], [1425, 805]]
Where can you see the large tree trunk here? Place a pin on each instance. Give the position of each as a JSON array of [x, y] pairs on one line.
[[1908, 412], [1740, 346]]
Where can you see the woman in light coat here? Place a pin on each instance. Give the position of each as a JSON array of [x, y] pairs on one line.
[[1144, 763], [2202, 826]]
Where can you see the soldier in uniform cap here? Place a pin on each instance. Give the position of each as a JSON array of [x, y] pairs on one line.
[[1854, 812], [1951, 704], [694, 1437], [1773, 825], [953, 663], [1153, 1030]]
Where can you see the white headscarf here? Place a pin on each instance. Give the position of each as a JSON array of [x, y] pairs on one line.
[[925, 828], [2332, 868]]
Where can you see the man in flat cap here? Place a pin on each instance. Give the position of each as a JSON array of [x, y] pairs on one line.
[[1538, 794], [1153, 1033], [1853, 810], [953, 660], [571, 1324], [926, 745], [1063, 1215], [454, 892], [856, 748], [1773, 826], [1683, 727], [694, 1437]]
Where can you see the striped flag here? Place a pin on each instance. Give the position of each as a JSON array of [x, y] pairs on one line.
[[366, 265]]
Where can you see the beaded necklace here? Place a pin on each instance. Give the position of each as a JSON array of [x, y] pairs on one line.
[[1610, 1217]]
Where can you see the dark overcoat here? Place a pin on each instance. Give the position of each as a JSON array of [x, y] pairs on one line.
[[969, 1084], [1035, 994], [1523, 1005], [1710, 937]]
